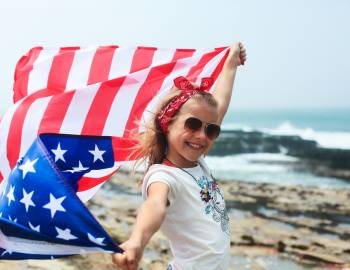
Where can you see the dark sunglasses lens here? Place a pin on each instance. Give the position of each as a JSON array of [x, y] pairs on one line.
[[193, 124], [213, 131]]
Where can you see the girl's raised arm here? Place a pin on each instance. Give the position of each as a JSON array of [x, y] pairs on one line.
[[224, 87]]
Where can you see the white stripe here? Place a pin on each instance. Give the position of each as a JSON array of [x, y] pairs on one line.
[[124, 100], [181, 68], [121, 62], [24, 246], [102, 172], [80, 70], [211, 65], [78, 109], [32, 122], [38, 76], [4, 131], [86, 195], [163, 56]]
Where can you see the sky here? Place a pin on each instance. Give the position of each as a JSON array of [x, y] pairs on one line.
[[298, 51]]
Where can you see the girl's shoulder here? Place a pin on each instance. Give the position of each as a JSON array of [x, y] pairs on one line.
[[161, 168]]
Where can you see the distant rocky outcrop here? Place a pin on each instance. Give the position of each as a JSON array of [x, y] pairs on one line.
[[238, 142]]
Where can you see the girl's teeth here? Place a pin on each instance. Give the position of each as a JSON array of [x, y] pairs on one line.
[[195, 145]]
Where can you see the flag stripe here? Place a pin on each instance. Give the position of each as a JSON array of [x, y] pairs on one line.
[[79, 73], [125, 97], [121, 62], [14, 137], [61, 65], [31, 123], [209, 68], [142, 58], [55, 112], [100, 107], [183, 53], [182, 67], [86, 183], [215, 74], [101, 64], [4, 133], [22, 71], [41, 69], [149, 88], [196, 70], [79, 106]]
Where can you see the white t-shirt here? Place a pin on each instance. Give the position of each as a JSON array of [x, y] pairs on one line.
[[196, 222]]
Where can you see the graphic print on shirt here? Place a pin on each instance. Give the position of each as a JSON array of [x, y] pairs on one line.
[[214, 201]]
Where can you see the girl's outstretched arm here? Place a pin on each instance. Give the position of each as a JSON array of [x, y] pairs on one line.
[[224, 87], [149, 218]]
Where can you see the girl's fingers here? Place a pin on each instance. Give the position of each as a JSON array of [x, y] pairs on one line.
[[131, 261], [120, 260]]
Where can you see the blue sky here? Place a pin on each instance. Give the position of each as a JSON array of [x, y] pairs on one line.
[[298, 51]]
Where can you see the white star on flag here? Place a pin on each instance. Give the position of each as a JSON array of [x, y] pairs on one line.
[[65, 234], [34, 228], [28, 167], [59, 153], [13, 220], [27, 199], [97, 153], [55, 205], [79, 168], [97, 241], [10, 195]]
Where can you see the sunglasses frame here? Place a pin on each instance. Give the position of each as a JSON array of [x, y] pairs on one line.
[[206, 125]]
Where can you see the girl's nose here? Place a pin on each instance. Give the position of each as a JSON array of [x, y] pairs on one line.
[[200, 134]]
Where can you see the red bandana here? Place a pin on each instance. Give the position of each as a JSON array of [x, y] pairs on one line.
[[188, 90]]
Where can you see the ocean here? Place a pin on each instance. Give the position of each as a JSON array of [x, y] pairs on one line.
[[328, 128]]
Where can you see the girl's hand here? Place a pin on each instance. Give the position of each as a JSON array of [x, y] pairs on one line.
[[129, 260], [237, 56]]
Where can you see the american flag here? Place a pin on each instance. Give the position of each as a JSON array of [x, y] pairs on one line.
[[94, 92], [40, 213]]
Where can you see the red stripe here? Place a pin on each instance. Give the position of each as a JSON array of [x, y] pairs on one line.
[[101, 64], [23, 68], [122, 148], [147, 91], [86, 183], [142, 58], [100, 107], [14, 137], [60, 67], [182, 53], [55, 112], [197, 69], [1, 177], [219, 67]]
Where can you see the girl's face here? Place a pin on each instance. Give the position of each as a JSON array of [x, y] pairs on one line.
[[186, 146]]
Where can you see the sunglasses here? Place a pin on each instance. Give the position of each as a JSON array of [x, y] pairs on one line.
[[194, 124]]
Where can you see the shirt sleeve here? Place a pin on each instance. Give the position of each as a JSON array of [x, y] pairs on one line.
[[163, 176]]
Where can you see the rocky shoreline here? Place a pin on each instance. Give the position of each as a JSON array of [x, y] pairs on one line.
[[310, 226], [322, 161]]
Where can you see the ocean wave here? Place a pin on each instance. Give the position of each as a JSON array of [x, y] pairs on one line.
[[268, 168], [325, 139]]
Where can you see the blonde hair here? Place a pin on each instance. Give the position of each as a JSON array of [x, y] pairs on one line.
[[152, 143]]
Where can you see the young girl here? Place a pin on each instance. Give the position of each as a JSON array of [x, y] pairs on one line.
[[181, 196]]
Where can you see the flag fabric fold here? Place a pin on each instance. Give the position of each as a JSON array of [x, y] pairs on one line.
[[40, 212], [98, 95]]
